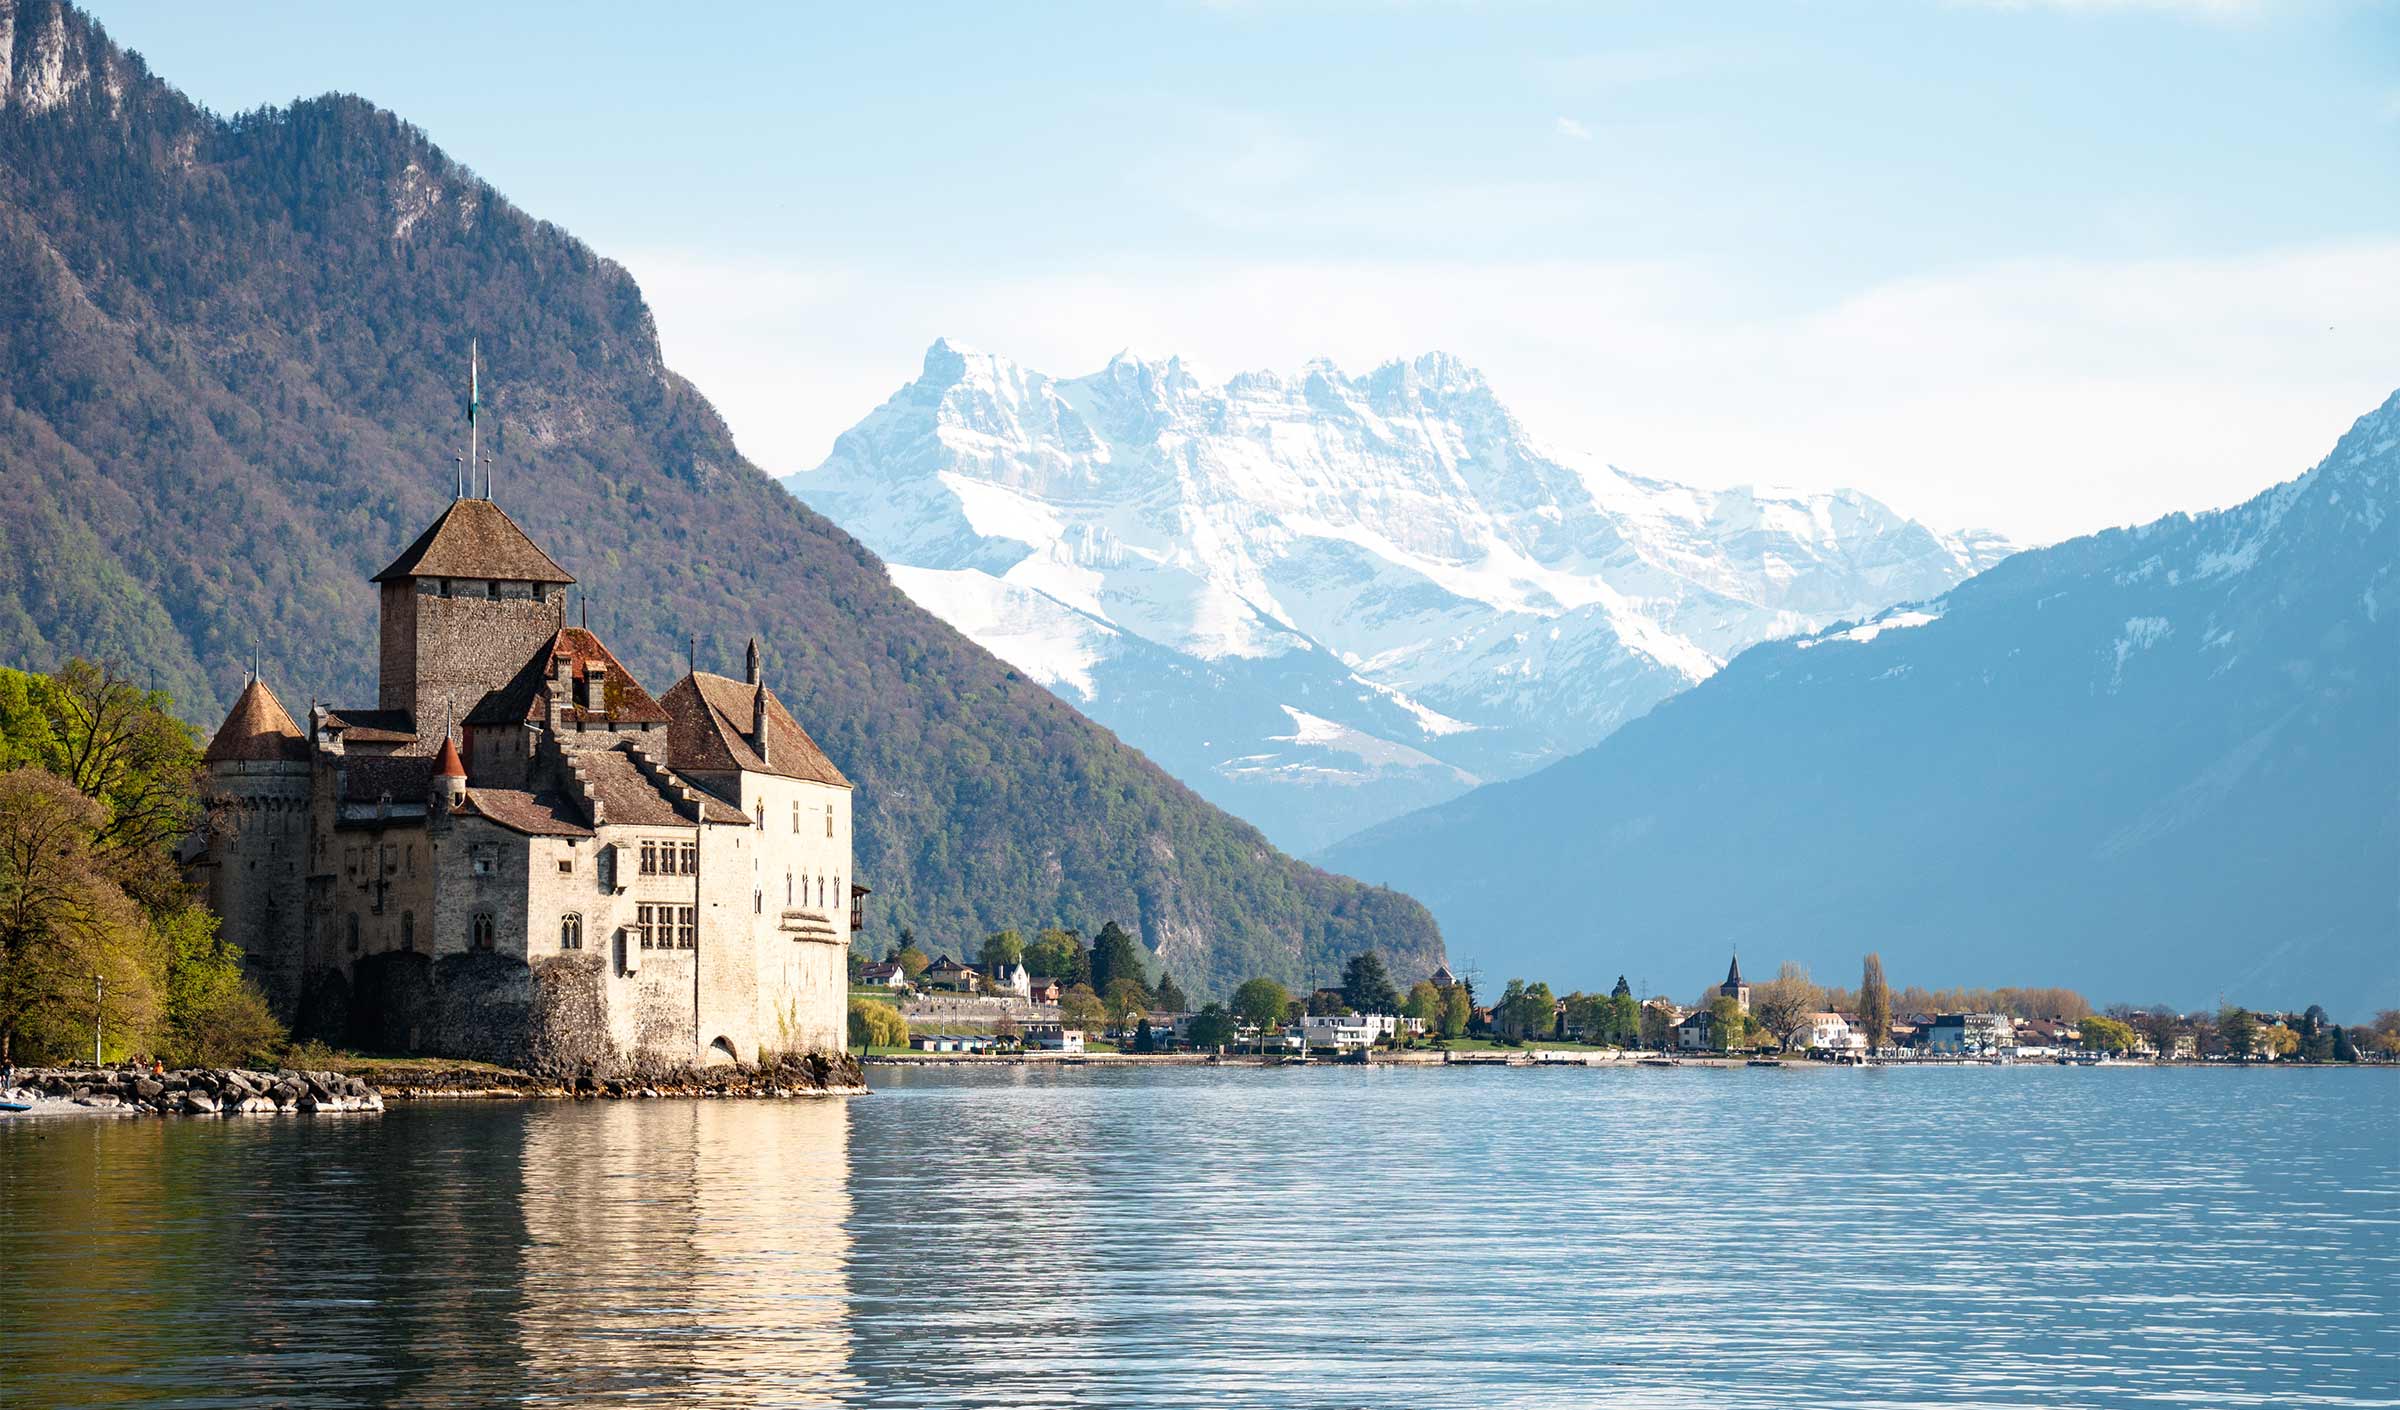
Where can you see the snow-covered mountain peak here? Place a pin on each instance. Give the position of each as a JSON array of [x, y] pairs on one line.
[[1396, 542]]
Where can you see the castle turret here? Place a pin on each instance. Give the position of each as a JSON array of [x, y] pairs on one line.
[[253, 860], [449, 776]]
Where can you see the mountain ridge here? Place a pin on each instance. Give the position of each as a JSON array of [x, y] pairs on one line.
[[1383, 587], [2153, 762]]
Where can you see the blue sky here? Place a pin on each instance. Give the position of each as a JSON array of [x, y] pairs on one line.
[[2035, 266]]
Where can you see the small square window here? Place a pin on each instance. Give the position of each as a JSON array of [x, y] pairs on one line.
[[566, 866]]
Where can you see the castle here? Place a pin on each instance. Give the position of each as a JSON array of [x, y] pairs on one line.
[[519, 854]]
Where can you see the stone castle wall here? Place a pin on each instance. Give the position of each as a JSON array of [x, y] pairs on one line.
[[258, 820]]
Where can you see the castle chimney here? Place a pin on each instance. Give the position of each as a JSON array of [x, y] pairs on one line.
[[753, 677], [562, 687], [758, 724]]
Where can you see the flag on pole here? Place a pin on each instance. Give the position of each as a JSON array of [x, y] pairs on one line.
[[474, 384]]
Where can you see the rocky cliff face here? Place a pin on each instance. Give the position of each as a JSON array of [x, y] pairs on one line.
[[2157, 764], [1324, 599], [232, 362]]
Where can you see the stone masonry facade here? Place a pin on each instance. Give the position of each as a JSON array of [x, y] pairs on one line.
[[519, 854]]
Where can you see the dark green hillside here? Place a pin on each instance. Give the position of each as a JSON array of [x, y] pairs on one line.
[[231, 366]]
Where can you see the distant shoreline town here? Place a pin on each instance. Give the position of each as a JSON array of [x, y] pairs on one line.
[[1053, 996]]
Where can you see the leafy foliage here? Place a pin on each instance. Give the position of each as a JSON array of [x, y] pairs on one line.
[[876, 1024], [99, 788], [233, 353]]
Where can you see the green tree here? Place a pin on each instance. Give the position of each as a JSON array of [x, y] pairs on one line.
[[1367, 986], [1625, 1017], [1143, 1040], [1080, 1008], [1212, 1027], [1458, 1008], [875, 1024], [1001, 949], [1727, 1021], [1126, 1000], [2237, 1029], [1058, 953], [213, 1018], [1875, 1005], [63, 921], [1115, 956], [1526, 1012], [912, 962], [2276, 1040], [2102, 1034], [1260, 1004], [1424, 1004], [1657, 1029], [1171, 998]]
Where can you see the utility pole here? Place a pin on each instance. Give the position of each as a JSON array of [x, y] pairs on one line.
[[99, 988]]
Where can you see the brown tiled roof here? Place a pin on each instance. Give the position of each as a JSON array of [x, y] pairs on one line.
[[474, 539], [447, 763], [257, 730], [710, 733], [373, 726], [534, 814], [617, 785], [527, 694], [367, 777]]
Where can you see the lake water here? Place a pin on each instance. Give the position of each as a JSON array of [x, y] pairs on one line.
[[1194, 1237]]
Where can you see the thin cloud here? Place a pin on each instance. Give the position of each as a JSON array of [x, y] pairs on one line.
[[1569, 127]]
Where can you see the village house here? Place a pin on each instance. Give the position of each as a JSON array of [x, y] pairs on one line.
[[1968, 1033], [1009, 979], [1053, 1038], [950, 976], [888, 974], [1042, 989], [518, 853], [1827, 1032]]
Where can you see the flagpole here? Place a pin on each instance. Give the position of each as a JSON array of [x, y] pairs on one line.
[[474, 405]]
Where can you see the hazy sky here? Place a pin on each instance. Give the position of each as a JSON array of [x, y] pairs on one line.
[[2033, 266]]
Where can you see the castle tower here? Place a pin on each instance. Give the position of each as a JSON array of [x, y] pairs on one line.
[[463, 607], [254, 861]]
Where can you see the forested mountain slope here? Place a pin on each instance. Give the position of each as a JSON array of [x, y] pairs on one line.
[[232, 356]]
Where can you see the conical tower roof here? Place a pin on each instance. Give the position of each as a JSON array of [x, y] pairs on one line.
[[1733, 976], [257, 730], [447, 764]]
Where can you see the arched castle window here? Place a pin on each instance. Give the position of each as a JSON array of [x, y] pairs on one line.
[[787, 886], [795, 815], [829, 820], [350, 933], [408, 930], [570, 931], [480, 931]]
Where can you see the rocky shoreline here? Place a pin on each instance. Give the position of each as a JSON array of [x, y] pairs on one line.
[[815, 1075], [133, 1091], [194, 1091]]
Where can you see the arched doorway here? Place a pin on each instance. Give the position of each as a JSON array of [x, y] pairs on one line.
[[719, 1053]]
